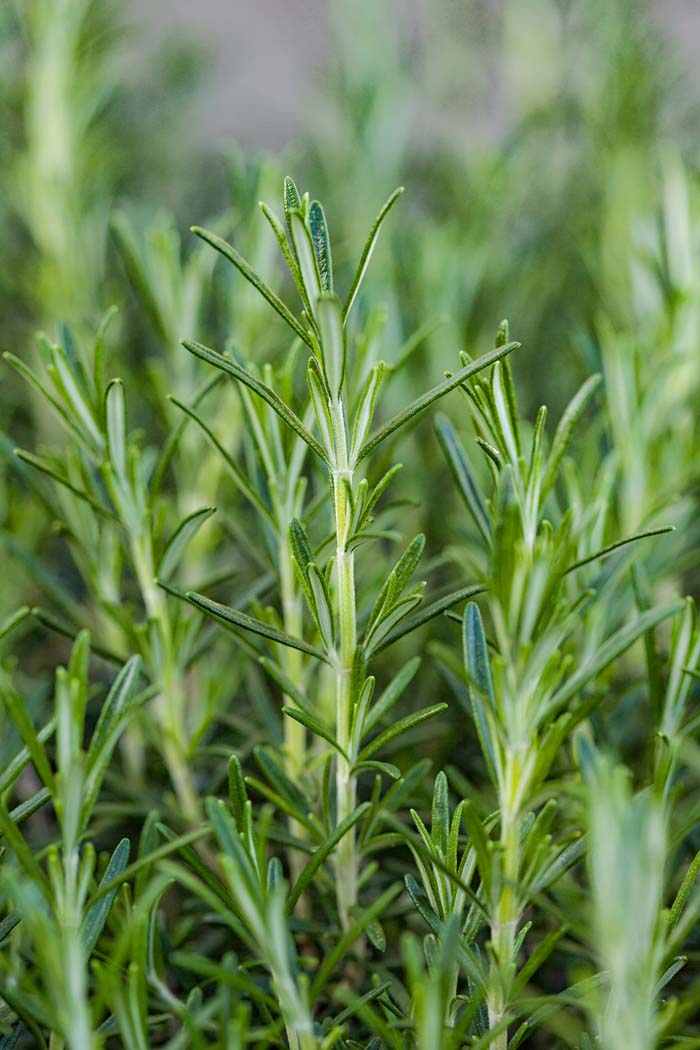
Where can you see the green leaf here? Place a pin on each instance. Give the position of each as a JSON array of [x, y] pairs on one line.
[[322, 246], [604, 551], [314, 726], [538, 957], [340, 949], [279, 233], [609, 651], [272, 769], [13, 768], [507, 533], [563, 433], [138, 271], [683, 893], [374, 766], [236, 474], [668, 974], [234, 618], [440, 818], [365, 409], [113, 709], [237, 791], [148, 860], [376, 936], [427, 613], [393, 692], [97, 915], [115, 417], [119, 706], [13, 620], [322, 604], [299, 542], [230, 253], [395, 583], [213, 357], [177, 543], [559, 864], [368, 249], [322, 853], [476, 658], [306, 259], [8, 924], [319, 402], [291, 198], [16, 709], [426, 400], [19, 846], [30, 805], [288, 687], [27, 373], [422, 904], [401, 726], [461, 472], [391, 617], [68, 630], [333, 349], [476, 662], [56, 473], [505, 409]]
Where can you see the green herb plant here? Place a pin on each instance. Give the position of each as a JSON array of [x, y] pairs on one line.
[[343, 402], [338, 895]]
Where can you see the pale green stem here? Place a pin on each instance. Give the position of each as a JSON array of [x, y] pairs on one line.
[[78, 1030], [346, 784], [297, 1021], [170, 702], [294, 732], [505, 920]]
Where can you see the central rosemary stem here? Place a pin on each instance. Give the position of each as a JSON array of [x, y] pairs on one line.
[[505, 922], [346, 785]]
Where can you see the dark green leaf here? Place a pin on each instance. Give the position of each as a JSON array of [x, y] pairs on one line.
[[368, 249], [429, 398], [261, 389], [97, 915], [230, 253], [243, 622]]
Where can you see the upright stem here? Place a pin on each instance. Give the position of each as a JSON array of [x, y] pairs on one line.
[[294, 732], [346, 785], [507, 913], [171, 699], [78, 1031]]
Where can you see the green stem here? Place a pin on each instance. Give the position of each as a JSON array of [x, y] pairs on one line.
[[294, 732], [170, 702], [346, 784], [77, 1030], [504, 923]]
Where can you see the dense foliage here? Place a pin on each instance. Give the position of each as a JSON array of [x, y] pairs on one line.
[[348, 701]]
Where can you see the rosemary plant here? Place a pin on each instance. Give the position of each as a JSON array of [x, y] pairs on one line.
[[342, 401], [291, 926]]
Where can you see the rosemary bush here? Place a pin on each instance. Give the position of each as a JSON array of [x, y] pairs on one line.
[[304, 747], [293, 922]]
